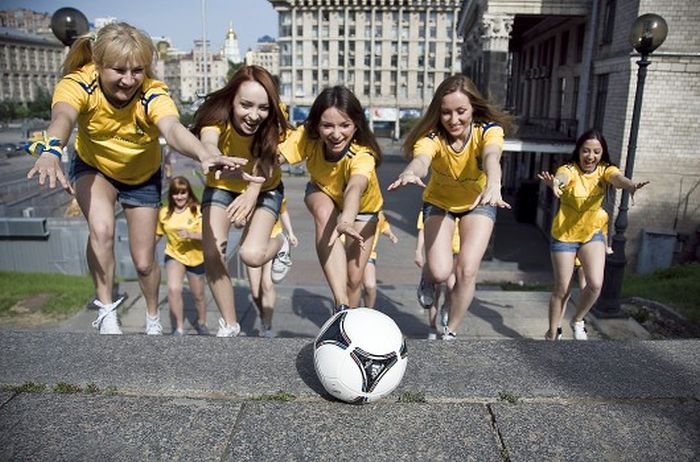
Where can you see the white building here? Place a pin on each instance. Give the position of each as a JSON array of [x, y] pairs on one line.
[[266, 54], [231, 51]]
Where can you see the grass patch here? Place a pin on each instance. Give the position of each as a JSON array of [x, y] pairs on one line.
[[412, 397], [26, 387], [508, 397], [676, 287], [51, 294], [279, 396], [67, 388]]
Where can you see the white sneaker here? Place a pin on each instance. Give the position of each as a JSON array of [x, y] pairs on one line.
[[153, 326], [580, 331], [228, 331], [449, 335], [282, 261], [560, 334], [107, 321], [432, 333]]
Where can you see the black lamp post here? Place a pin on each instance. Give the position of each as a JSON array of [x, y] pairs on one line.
[[648, 33], [68, 24]]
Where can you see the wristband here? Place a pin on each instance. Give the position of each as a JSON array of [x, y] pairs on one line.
[[48, 144]]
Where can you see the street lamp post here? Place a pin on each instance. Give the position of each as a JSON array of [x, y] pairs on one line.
[[648, 33]]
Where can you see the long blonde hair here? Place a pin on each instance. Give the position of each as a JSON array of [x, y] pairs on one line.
[[484, 112], [115, 44]]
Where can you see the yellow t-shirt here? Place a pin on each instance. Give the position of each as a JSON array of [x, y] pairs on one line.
[[232, 143], [455, 234], [277, 227], [457, 178], [122, 143], [382, 227], [186, 251], [580, 213], [332, 177]]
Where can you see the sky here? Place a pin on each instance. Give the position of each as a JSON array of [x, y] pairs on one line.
[[180, 20]]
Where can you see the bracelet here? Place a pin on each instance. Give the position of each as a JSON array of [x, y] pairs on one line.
[[51, 145]]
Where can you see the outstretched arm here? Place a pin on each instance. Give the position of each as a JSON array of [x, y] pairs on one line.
[[620, 181], [351, 206], [554, 182], [48, 165], [413, 173], [287, 225], [491, 195]]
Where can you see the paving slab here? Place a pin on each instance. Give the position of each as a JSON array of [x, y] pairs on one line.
[[655, 431], [247, 367], [53, 427], [373, 432]]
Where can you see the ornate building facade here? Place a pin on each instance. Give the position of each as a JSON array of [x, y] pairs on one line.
[[391, 53]]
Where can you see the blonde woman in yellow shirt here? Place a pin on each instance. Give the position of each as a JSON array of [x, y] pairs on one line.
[[343, 194], [459, 140], [262, 279], [181, 223], [244, 119], [108, 90], [580, 225]]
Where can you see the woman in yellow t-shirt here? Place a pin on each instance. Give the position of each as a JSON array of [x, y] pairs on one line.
[[244, 119], [108, 90], [343, 194], [580, 225], [262, 279], [369, 279], [181, 223], [460, 140]]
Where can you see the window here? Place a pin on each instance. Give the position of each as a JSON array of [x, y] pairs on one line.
[[563, 48], [608, 22], [580, 36], [600, 99]]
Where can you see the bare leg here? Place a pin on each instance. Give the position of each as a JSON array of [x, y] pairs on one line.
[[175, 273], [563, 267], [369, 283], [215, 227], [357, 258], [142, 244], [592, 256], [257, 248], [196, 283]]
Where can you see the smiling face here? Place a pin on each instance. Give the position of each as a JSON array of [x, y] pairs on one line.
[[589, 155], [180, 198], [336, 130], [120, 82], [456, 114], [251, 107]]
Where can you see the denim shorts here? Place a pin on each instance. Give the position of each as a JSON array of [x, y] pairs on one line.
[[367, 217], [146, 194], [198, 270], [267, 200], [559, 246], [485, 210]]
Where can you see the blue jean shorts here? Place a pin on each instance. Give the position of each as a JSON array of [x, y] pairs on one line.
[[485, 210], [367, 217], [146, 194], [559, 246], [198, 270], [267, 200]]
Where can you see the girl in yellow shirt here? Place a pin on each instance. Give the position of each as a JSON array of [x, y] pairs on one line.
[[109, 92], [181, 223], [460, 140], [244, 119], [580, 225], [343, 195]]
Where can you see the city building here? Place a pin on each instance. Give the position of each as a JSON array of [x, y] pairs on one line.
[[266, 54], [391, 53], [26, 20], [231, 50], [29, 63], [563, 67]]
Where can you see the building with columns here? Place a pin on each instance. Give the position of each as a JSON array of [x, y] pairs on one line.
[[391, 53], [563, 67], [266, 54], [29, 63], [231, 50]]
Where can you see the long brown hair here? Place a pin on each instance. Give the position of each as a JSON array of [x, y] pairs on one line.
[[178, 184], [217, 108], [115, 44], [345, 101], [484, 112]]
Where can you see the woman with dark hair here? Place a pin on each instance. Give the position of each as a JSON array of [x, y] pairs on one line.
[[181, 222], [343, 194], [242, 119], [580, 225], [109, 92], [460, 140]]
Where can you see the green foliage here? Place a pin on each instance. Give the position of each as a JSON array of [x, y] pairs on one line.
[[67, 294], [68, 388], [232, 68], [186, 118], [508, 397], [412, 397], [676, 287], [92, 389], [405, 125], [279, 396], [26, 387]]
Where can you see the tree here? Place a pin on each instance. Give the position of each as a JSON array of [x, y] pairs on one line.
[[232, 68]]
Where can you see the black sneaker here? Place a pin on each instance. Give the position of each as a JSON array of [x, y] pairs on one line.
[[559, 335], [425, 293], [339, 308]]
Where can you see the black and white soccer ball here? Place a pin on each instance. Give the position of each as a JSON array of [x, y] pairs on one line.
[[360, 355]]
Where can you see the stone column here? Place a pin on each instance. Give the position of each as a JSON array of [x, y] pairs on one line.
[[495, 34]]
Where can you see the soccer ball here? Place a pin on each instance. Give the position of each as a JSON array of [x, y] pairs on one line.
[[360, 355]]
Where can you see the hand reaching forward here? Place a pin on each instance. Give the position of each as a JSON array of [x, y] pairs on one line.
[[491, 195], [552, 182], [404, 179], [347, 228]]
